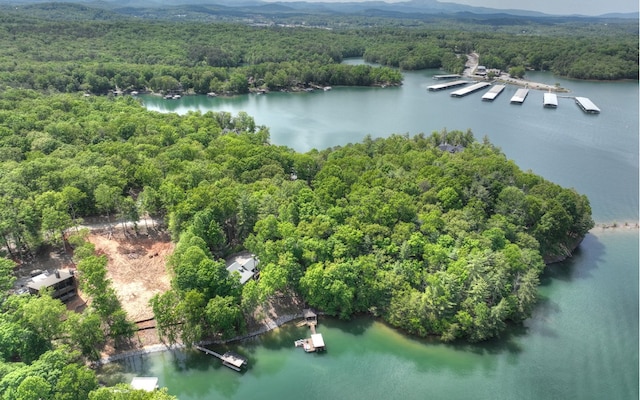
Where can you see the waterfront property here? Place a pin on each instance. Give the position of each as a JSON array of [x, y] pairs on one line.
[[493, 93], [550, 100], [520, 96], [62, 283], [448, 85], [245, 265], [229, 359], [470, 89], [587, 105]]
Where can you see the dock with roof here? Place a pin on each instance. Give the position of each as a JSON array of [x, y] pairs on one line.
[[492, 93], [587, 105], [520, 96], [315, 343], [447, 85], [470, 89]]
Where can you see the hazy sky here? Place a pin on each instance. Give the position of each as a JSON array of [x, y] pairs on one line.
[[584, 7]]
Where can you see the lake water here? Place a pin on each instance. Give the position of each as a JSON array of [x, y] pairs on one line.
[[581, 342]]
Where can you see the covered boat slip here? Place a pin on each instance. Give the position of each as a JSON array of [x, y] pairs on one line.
[[493, 92], [447, 85], [550, 100], [520, 96], [587, 105], [446, 76], [470, 89]]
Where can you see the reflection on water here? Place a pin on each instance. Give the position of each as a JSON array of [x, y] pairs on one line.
[[582, 339]]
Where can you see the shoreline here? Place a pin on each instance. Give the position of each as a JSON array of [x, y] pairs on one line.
[[270, 323]]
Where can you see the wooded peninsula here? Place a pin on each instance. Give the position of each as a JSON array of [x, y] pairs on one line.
[[437, 234]]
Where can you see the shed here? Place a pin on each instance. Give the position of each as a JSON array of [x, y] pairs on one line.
[[310, 316]]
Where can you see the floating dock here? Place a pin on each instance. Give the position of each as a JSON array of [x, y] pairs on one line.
[[316, 342], [550, 100], [448, 76], [448, 85], [229, 359], [520, 95], [587, 105], [493, 93], [470, 89]]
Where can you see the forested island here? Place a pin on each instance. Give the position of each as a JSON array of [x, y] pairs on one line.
[[437, 234]]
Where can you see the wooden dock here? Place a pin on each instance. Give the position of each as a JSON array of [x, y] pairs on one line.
[[316, 342], [229, 359]]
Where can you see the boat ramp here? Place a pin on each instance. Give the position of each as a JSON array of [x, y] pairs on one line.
[[470, 89], [448, 85], [229, 359], [587, 105], [550, 100], [520, 95], [493, 93]]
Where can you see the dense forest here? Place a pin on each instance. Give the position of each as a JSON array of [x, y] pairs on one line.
[[438, 234], [102, 56], [434, 242]]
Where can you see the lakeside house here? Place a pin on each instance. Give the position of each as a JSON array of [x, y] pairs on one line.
[[62, 283], [246, 265]]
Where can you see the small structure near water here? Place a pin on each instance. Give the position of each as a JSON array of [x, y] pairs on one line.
[[316, 342], [146, 383], [229, 359]]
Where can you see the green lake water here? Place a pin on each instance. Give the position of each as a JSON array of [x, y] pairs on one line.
[[582, 340]]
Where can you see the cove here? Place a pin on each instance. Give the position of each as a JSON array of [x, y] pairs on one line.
[[581, 343], [582, 340]]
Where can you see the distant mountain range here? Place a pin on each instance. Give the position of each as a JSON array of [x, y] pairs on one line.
[[375, 8]]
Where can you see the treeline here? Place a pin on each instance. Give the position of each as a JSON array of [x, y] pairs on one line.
[[100, 56]]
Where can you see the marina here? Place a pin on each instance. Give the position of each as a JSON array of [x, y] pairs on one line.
[[229, 359], [550, 100], [470, 89], [587, 105], [365, 357], [520, 96], [448, 85], [493, 93]]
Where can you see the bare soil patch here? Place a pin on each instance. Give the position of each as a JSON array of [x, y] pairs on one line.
[[136, 268]]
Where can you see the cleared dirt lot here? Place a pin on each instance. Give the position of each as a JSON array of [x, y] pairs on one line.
[[136, 268]]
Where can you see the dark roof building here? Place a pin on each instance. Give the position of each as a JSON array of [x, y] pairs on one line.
[[62, 283]]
